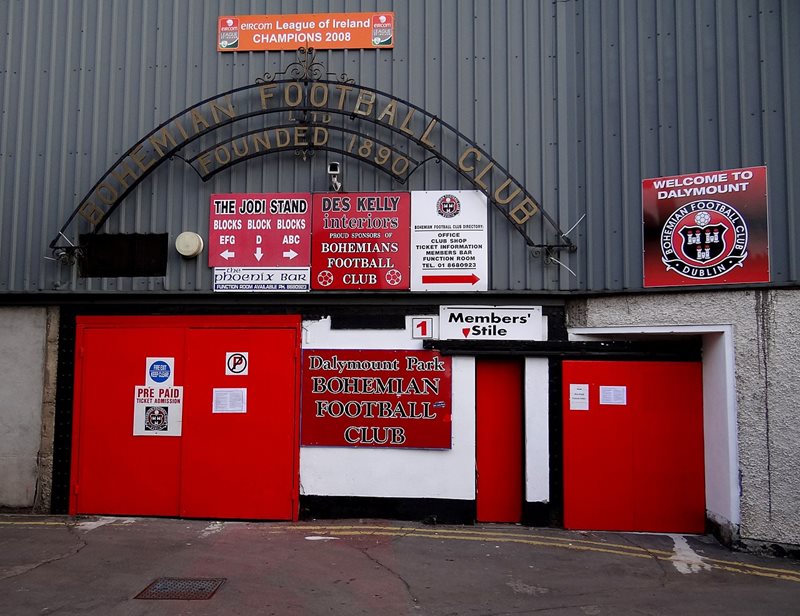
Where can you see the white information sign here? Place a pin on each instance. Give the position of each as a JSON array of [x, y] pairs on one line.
[[230, 400], [157, 411], [614, 394], [578, 397], [254, 279], [449, 241], [491, 323]]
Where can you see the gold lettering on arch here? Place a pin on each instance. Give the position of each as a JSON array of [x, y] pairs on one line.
[[320, 109]]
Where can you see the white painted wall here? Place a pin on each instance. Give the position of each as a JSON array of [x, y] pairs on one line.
[[719, 427], [537, 430], [405, 473]]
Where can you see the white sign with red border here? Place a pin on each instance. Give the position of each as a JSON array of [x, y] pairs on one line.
[[449, 241]]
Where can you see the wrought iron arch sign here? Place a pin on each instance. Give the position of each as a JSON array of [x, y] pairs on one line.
[[315, 113]]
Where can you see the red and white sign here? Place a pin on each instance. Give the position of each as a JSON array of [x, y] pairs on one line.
[[317, 30], [260, 230], [449, 241], [381, 398], [361, 241], [706, 228]]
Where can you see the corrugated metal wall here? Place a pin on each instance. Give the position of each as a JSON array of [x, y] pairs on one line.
[[578, 99]]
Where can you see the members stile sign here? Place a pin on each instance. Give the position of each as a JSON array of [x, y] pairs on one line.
[[376, 398], [491, 323], [706, 228], [360, 241]]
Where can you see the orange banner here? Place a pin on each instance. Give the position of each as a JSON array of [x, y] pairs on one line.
[[317, 30]]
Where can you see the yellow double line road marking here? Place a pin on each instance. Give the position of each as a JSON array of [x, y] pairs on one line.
[[14, 523], [568, 543]]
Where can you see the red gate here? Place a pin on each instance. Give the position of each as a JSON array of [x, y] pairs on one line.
[[235, 453], [633, 446]]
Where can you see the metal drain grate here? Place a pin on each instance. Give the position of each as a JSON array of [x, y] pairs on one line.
[[181, 588]]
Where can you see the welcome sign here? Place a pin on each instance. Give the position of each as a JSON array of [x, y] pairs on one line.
[[706, 228]]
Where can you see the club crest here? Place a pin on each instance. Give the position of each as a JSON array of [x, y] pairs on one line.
[[704, 239], [156, 419], [448, 206]]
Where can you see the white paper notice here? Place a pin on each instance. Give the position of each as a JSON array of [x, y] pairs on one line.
[[614, 394], [230, 400], [578, 397]]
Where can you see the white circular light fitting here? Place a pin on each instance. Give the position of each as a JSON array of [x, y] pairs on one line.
[[189, 244]]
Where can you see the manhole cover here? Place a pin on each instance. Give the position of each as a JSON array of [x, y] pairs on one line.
[[181, 588]]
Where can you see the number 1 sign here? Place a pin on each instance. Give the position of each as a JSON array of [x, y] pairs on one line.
[[422, 327]]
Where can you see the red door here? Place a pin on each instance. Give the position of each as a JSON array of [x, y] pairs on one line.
[[633, 446], [114, 472], [234, 457], [238, 459], [499, 480]]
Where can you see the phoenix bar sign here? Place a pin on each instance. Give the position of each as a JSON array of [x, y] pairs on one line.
[[303, 110]]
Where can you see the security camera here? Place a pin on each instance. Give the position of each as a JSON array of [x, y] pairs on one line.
[[333, 173]]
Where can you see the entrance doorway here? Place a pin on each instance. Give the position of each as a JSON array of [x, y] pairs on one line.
[[499, 440], [234, 453], [633, 446]]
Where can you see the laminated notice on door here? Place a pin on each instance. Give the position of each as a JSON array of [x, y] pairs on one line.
[[230, 400], [578, 397], [614, 394]]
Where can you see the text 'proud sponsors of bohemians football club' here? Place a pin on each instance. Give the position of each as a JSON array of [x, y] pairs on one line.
[[361, 241], [706, 228]]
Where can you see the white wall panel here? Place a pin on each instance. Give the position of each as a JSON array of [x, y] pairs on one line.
[[406, 473]]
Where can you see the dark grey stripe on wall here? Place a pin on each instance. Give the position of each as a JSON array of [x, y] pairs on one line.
[[579, 99]]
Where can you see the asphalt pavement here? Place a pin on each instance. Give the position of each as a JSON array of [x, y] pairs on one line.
[[100, 565]]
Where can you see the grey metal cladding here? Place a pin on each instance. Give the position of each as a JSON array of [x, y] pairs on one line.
[[579, 99]]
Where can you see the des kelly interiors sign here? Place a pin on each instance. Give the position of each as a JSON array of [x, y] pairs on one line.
[[360, 241], [376, 398]]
